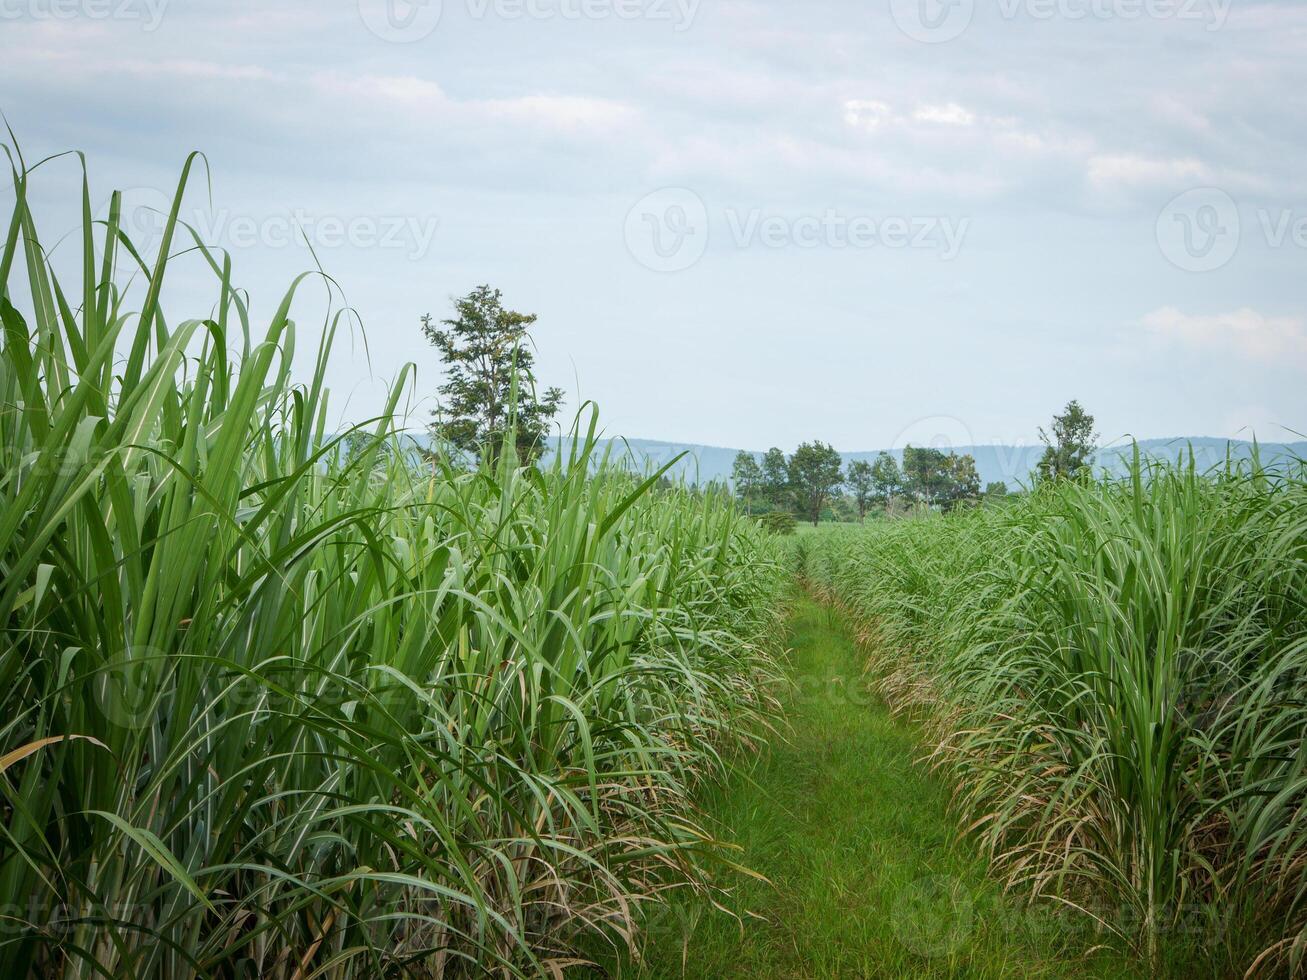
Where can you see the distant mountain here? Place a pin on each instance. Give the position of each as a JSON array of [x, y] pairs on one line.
[[1010, 464]]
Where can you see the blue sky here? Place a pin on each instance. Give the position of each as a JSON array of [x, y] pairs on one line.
[[740, 223]]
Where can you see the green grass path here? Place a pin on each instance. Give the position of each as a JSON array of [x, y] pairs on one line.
[[865, 877]]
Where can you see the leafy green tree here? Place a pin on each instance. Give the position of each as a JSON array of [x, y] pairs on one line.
[[996, 490], [361, 441], [887, 478], [815, 476], [927, 473], [1070, 447], [746, 474], [963, 485], [936, 477], [861, 481], [775, 478], [490, 383]]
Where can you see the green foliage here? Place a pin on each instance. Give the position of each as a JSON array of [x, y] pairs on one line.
[[489, 393], [778, 522], [1112, 675], [776, 478], [963, 483], [939, 478], [1071, 445], [996, 489], [912, 901], [272, 708], [746, 475], [814, 476], [926, 472], [887, 478], [861, 481]]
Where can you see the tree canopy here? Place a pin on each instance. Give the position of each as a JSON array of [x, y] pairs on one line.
[[814, 475], [746, 474], [1070, 447], [490, 384], [861, 481], [775, 477], [937, 477], [887, 478]]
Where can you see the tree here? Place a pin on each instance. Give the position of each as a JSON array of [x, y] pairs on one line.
[[963, 486], [887, 478], [490, 384], [937, 477], [815, 476], [997, 490], [746, 474], [775, 477], [360, 441], [1070, 447], [926, 472], [862, 481]]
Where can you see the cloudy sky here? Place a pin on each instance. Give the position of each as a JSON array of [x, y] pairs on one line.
[[741, 222]]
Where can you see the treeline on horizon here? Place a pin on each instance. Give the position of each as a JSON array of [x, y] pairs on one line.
[[813, 481]]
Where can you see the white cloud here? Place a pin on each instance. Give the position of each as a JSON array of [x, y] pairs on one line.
[[866, 113], [191, 68], [408, 92], [563, 111], [1174, 110], [1113, 170], [871, 114], [1245, 332], [502, 128], [950, 114]]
